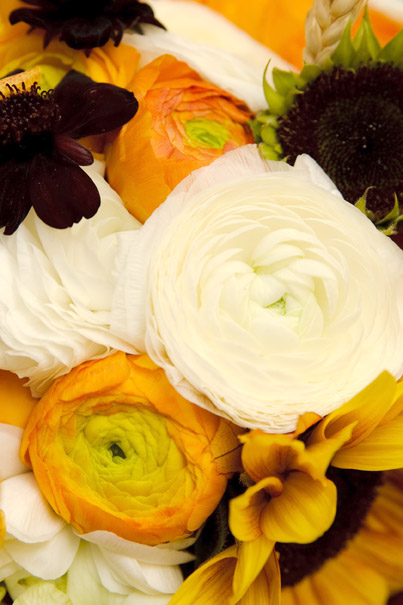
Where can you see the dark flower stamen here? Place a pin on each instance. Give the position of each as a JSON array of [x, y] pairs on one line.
[[85, 24], [39, 157], [351, 123]]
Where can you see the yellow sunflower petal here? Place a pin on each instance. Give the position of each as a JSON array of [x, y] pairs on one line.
[[264, 455], [381, 450], [210, 584], [303, 512], [245, 510], [366, 410], [266, 589], [346, 580], [252, 557]]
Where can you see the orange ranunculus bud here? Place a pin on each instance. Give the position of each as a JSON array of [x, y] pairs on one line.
[[114, 447], [182, 123]]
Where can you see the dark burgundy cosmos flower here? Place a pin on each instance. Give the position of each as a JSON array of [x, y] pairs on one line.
[[85, 24], [39, 157]]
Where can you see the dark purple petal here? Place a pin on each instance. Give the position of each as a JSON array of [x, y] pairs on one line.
[[73, 150], [14, 195], [35, 18], [89, 108], [61, 192], [81, 33]]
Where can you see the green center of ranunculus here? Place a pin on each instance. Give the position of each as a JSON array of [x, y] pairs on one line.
[[127, 458], [207, 133]]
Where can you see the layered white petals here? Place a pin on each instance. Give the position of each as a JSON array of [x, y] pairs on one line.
[[29, 517], [57, 288], [171, 553], [121, 574], [10, 441], [219, 51], [262, 293], [47, 560]]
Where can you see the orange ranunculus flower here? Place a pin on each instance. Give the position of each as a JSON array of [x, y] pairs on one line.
[[281, 25], [183, 123], [114, 447]]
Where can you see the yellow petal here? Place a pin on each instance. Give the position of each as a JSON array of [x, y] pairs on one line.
[[379, 451], [210, 584], [367, 409], [252, 557], [266, 589], [303, 512], [264, 455], [246, 509]]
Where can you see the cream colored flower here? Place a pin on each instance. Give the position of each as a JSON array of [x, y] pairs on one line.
[[264, 294], [57, 289]]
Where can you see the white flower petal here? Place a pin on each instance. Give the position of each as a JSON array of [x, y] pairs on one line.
[[7, 565], [122, 574], [171, 553], [46, 560], [57, 291], [29, 517], [10, 441], [207, 314]]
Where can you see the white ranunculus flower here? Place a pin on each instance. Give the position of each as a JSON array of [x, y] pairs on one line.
[[218, 50], [56, 293], [44, 551], [262, 293]]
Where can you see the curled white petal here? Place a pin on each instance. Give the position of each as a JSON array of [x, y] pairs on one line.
[[29, 517], [57, 288], [10, 442], [265, 295], [47, 560], [218, 50]]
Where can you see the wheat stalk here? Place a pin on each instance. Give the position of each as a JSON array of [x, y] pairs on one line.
[[324, 27]]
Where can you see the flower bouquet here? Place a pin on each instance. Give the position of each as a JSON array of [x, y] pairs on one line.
[[201, 327]]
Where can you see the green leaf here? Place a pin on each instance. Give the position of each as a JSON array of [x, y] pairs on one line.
[[308, 74], [284, 81], [344, 53], [392, 215], [275, 100], [393, 50], [366, 44], [268, 152], [269, 135]]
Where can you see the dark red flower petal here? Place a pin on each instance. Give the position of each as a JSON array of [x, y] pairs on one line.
[[35, 18], [89, 107], [14, 194], [61, 192], [83, 34], [73, 150]]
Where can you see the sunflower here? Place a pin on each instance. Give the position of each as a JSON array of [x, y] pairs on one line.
[[321, 508], [348, 115]]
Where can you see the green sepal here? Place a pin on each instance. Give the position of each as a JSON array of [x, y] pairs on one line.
[[344, 52], [393, 51], [269, 153], [387, 224], [367, 47], [284, 81], [361, 204], [269, 135]]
